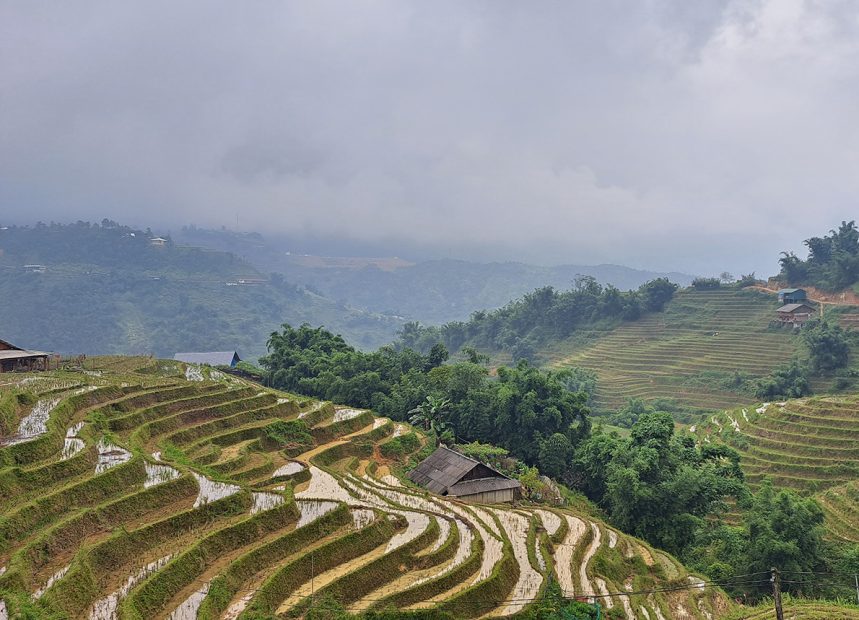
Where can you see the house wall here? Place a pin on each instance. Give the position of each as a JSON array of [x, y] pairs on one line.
[[489, 497], [24, 364]]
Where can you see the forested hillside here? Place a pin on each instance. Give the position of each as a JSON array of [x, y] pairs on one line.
[[107, 289], [429, 291], [832, 263]]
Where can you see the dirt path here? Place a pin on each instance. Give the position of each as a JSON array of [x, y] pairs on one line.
[[843, 298]]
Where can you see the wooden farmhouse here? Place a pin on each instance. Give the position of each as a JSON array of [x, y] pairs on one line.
[[794, 314], [449, 473], [210, 358], [16, 359], [792, 296]]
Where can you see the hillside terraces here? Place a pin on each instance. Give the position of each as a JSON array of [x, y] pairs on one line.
[[217, 499], [806, 444], [810, 445], [802, 610], [684, 353]]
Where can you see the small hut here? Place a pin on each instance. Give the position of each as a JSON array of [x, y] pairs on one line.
[[16, 359], [446, 472], [792, 296], [794, 314]]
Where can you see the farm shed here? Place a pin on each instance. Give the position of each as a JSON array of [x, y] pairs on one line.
[[16, 359], [210, 358], [792, 296], [794, 314], [446, 472]]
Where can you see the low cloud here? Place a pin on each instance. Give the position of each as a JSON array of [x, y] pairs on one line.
[[694, 136]]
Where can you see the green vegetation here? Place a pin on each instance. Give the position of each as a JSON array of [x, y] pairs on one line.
[[832, 263], [545, 315], [655, 484], [516, 410], [256, 541], [828, 346], [791, 381], [703, 353], [105, 289]]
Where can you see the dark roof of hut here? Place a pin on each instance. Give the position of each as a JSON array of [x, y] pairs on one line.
[[791, 308], [444, 468]]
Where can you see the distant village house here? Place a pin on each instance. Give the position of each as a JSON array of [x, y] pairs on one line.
[[792, 296], [449, 473], [16, 359], [210, 358], [794, 314], [158, 242]]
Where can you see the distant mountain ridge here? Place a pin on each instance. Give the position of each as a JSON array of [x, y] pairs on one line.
[[432, 291], [111, 289]]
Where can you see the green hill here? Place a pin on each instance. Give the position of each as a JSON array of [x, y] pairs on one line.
[[810, 445], [107, 289], [689, 353], [144, 488]]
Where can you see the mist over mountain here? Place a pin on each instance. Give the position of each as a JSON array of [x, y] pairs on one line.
[[430, 291]]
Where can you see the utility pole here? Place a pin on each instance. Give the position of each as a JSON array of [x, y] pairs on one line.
[[856, 579], [776, 581], [311, 579]]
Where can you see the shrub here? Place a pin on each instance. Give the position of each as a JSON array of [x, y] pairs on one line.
[[400, 446], [288, 434], [785, 382], [706, 284]]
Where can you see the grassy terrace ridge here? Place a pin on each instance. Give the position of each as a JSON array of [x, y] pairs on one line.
[[681, 353], [810, 445], [211, 498]]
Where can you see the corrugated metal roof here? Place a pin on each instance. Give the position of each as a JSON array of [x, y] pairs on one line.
[[790, 290], [21, 354], [482, 485], [212, 358], [790, 308], [442, 469]]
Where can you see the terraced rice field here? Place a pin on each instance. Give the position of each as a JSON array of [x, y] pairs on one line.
[[195, 495], [810, 445], [668, 354], [800, 610]]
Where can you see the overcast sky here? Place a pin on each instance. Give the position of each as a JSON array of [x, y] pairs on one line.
[[697, 136]]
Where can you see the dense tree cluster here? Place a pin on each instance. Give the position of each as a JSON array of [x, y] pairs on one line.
[[541, 316], [655, 484], [779, 528], [832, 263], [517, 410], [828, 346]]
